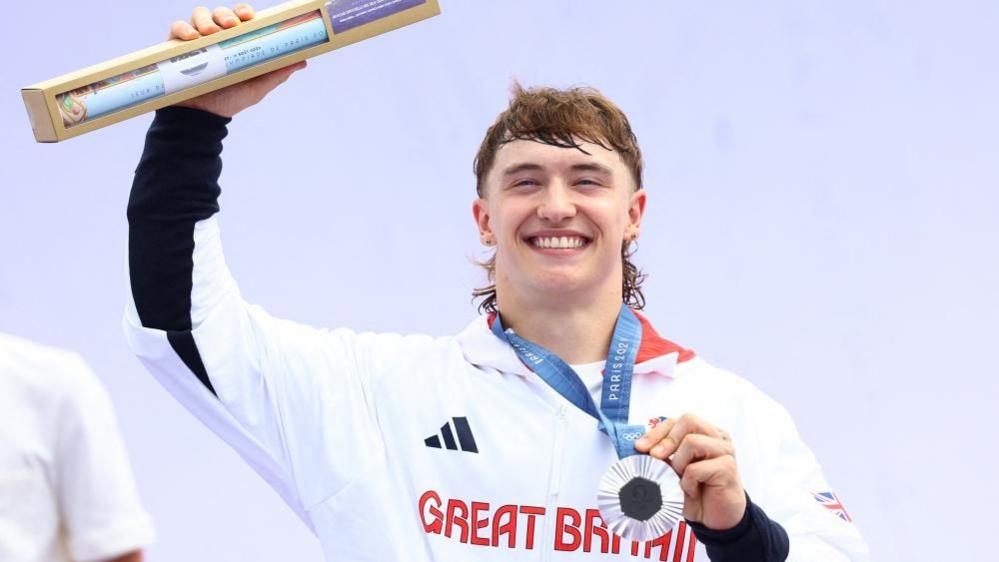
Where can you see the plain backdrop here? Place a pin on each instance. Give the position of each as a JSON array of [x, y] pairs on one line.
[[822, 219]]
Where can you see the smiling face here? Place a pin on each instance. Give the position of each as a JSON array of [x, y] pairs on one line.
[[558, 218]]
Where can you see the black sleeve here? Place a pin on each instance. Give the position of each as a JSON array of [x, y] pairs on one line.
[[175, 186], [756, 538]]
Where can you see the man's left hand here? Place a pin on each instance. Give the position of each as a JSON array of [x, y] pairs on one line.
[[704, 459]]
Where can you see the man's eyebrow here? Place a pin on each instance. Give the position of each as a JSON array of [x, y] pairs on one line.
[[533, 167], [592, 167], [522, 167]]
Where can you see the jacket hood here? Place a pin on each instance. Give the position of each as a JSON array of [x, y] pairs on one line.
[[482, 348]]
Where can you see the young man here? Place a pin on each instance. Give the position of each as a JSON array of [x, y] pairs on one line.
[[412, 448], [66, 490]]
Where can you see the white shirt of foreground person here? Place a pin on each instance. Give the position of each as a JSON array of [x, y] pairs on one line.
[[66, 489]]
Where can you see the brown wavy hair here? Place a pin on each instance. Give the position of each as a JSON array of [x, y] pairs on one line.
[[562, 118]]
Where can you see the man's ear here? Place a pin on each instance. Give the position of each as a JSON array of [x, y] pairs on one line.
[[480, 211], [636, 211]]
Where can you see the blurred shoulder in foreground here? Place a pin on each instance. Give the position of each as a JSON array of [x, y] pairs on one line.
[[66, 488]]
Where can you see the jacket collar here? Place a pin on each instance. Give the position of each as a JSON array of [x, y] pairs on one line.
[[483, 349]]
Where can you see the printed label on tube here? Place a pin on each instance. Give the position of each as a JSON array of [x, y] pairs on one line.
[[191, 69]]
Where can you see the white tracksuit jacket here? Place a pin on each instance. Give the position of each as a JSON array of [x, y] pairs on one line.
[[417, 448]]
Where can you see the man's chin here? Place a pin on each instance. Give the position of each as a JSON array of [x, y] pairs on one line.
[[561, 284]]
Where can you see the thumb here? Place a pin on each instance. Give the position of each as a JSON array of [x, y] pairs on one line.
[[692, 509], [267, 82]]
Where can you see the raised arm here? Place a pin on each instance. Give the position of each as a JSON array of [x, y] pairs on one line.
[[175, 197], [175, 193], [253, 379]]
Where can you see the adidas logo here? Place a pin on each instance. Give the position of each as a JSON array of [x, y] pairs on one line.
[[464, 433]]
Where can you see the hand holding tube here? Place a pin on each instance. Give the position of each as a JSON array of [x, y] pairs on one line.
[[228, 101]]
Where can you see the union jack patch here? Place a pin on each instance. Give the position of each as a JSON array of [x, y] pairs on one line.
[[831, 502], [656, 421]]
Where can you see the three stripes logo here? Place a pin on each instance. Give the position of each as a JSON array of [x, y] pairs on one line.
[[464, 435]]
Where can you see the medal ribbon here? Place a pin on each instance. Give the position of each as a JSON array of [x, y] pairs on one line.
[[615, 397]]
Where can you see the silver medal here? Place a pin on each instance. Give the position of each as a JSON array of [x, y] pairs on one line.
[[640, 498]]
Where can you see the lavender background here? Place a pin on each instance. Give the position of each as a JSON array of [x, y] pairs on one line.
[[822, 219]]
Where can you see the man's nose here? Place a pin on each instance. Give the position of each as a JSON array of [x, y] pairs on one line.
[[556, 204]]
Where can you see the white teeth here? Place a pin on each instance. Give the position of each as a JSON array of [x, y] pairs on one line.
[[559, 242]]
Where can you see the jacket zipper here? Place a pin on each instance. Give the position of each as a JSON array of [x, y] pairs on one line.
[[554, 484]]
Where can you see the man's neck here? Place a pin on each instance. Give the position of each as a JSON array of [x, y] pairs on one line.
[[576, 333]]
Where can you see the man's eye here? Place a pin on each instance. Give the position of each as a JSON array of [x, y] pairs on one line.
[[587, 182], [525, 182]]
